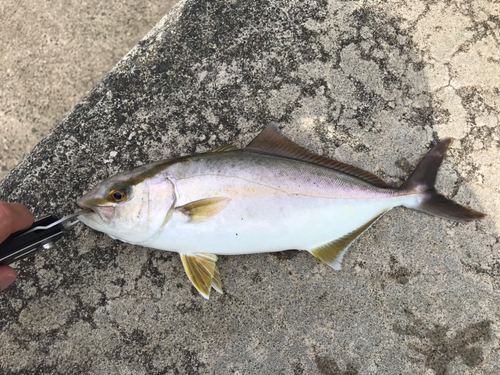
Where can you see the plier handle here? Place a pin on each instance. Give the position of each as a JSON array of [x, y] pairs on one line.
[[40, 236]]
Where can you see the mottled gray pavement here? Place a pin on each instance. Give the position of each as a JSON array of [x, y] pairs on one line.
[[371, 85], [52, 53]]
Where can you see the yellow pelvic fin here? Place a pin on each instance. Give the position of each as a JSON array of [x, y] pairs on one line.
[[203, 209], [203, 272], [333, 252]]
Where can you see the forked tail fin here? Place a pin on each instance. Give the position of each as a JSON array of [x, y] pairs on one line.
[[422, 181]]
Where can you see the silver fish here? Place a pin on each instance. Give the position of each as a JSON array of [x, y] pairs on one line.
[[272, 195]]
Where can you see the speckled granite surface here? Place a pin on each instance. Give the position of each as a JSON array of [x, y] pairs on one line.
[[372, 85]]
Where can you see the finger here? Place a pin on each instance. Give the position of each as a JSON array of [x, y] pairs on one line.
[[13, 217], [7, 276]]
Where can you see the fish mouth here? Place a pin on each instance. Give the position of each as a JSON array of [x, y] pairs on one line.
[[81, 205], [96, 210], [87, 213], [90, 203], [86, 209], [90, 217]]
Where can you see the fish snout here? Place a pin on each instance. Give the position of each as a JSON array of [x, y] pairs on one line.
[[81, 202], [85, 201], [92, 200]]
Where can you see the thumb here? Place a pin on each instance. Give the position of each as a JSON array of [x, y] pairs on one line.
[[7, 276]]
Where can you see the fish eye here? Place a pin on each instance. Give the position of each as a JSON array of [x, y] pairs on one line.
[[118, 194]]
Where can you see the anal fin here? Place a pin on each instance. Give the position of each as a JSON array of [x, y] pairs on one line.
[[333, 252], [203, 272]]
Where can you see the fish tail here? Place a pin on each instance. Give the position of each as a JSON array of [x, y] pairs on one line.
[[422, 182]]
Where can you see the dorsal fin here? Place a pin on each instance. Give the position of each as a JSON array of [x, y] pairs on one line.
[[271, 141], [229, 147]]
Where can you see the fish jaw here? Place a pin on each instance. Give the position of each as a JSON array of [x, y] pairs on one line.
[[92, 220], [99, 216]]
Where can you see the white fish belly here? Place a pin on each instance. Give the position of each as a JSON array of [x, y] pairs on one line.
[[272, 223]]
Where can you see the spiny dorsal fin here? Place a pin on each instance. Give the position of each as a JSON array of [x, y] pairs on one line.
[[272, 142], [203, 272], [229, 147], [332, 253], [203, 209]]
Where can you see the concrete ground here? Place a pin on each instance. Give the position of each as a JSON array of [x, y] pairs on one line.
[[374, 84], [52, 53]]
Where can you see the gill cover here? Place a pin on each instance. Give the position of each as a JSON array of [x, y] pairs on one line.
[[142, 210]]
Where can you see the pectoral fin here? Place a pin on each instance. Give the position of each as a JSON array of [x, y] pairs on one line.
[[203, 209], [203, 272], [333, 252]]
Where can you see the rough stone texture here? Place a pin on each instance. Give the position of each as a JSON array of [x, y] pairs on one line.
[[53, 52], [372, 85]]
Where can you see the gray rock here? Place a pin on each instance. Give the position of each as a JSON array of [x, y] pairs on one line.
[[371, 85]]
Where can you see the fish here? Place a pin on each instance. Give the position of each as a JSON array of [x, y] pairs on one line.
[[272, 195]]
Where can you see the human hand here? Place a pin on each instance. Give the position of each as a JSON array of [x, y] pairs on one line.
[[13, 217]]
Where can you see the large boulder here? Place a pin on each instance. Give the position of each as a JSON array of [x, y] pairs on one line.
[[371, 85]]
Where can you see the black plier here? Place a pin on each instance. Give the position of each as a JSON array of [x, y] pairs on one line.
[[40, 236]]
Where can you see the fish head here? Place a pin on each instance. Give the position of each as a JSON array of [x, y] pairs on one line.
[[129, 206]]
